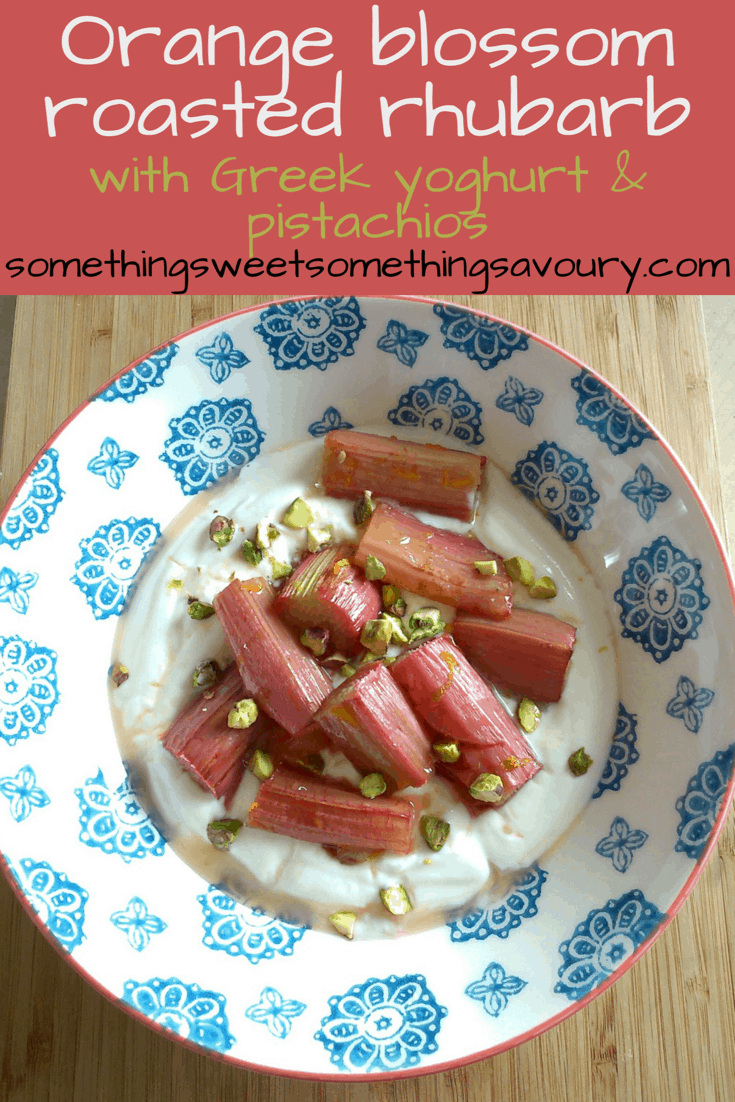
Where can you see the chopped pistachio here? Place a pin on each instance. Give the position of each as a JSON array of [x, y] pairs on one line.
[[261, 765], [447, 751], [393, 601], [222, 832], [376, 635], [206, 675], [374, 569], [221, 531], [341, 456], [434, 831], [372, 785], [427, 620], [339, 566], [488, 787], [318, 537], [175, 583], [344, 923], [543, 589], [579, 762], [265, 533], [486, 566], [398, 631], [279, 569], [252, 554], [347, 670], [243, 714], [529, 715], [395, 900], [199, 611], [364, 508], [119, 674], [298, 514], [520, 570], [316, 640]]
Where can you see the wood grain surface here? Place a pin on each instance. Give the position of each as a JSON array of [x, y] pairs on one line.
[[665, 1032]]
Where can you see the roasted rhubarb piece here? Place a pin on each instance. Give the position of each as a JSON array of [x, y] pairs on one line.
[[331, 814], [435, 563], [454, 700], [201, 741], [285, 680], [528, 653], [425, 476], [299, 747], [369, 719], [327, 591]]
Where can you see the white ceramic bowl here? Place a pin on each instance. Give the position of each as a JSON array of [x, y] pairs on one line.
[[95, 872]]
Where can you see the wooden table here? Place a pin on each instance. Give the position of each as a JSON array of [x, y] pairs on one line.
[[665, 1032]]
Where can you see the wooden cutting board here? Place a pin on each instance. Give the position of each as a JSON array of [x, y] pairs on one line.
[[665, 1032]]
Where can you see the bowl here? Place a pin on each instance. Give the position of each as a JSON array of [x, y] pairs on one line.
[[95, 871]]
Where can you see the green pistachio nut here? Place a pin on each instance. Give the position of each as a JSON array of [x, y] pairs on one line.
[[206, 674], [543, 589], [364, 508], [261, 765], [199, 611], [579, 762], [375, 636], [372, 785], [243, 714], [434, 831], [489, 567], [279, 569], [529, 715], [520, 570], [316, 640], [221, 531], [222, 832], [398, 632], [488, 788], [298, 514], [347, 670], [119, 674], [344, 923], [447, 751], [251, 553], [317, 537], [374, 569], [395, 900]]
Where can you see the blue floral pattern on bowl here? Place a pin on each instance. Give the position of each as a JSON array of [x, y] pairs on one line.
[[110, 560], [28, 688], [519, 400], [211, 440], [114, 822], [495, 989], [183, 1008], [313, 333], [486, 342], [221, 357], [141, 378], [275, 1012], [382, 1025], [560, 484], [700, 805], [403, 342], [137, 924], [620, 844], [23, 793], [112, 463], [15, 589], [37, 501], [609, 417], [689, 703], [662, 599], [246, 932], [622, 755], [443, 406], [518, 906], [645, 493], [57, 900], [331, 419], [604, 941]]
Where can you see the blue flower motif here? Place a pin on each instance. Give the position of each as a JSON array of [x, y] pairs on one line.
[[495, 988], [662, 599], [332, 419], [314, 333], [14, 589], [382, 1025], [144, 376], [622, 755], [275, 1011], [402, 342], [498, 922], [620, 844], [184, 1009], [28, 688], [210, 440], [112, 463], [486, 342], [645, 492], [689, 704], [441, 405], [604, 941], [244, 932], [57, 901], [221, 357], [700, 805], [519, 400], [110, 560], [37, 501], [137, 923], [115, 822], [23, 793], [608, 416], [560, 484]]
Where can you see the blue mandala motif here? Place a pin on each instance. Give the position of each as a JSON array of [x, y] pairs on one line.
[[221, 357], [211, 440], [495, 988], [23, 793], [519, 400], [57, 901], [608, 416], [645, 492], [520, 904], [604, 941], [560, 484], [402, 342], [382, 1025], [441, 405], [700, 805], [275, 1012], [184, 1009], [136, 922], [244, 932], [662, 599], [115, 822], [144, 376], [37, 501], [486, 342], [314, 333], [332, 419], [620, 844], [112, 463], [28, 688], [622, 755], [110, 560], [689, 703], [15, 589]]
